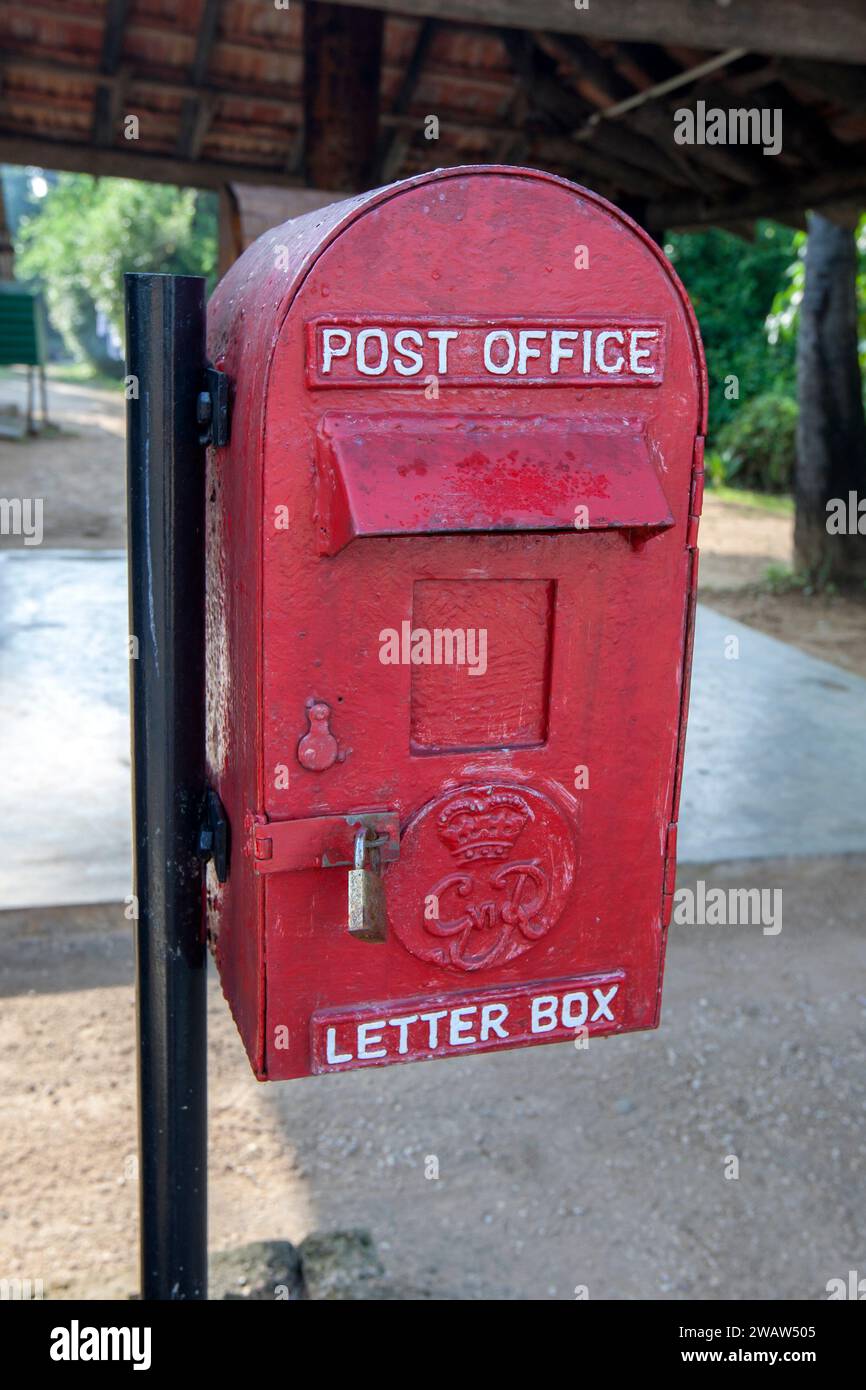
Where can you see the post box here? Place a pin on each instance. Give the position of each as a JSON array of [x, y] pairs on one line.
[[451, 568]]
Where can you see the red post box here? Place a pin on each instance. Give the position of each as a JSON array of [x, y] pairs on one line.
[[451, 574]]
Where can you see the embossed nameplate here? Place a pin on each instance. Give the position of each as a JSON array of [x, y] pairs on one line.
[[363, 350], [412, 1030]]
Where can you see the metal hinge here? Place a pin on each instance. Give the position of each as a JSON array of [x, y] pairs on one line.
[[670, 873], [212, 409], [213, 838], [697, 494]]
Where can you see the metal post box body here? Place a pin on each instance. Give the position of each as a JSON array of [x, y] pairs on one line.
[[451, 572]]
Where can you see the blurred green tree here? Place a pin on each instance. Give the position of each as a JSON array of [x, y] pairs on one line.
[[734, 286], [88, 231], [784, 320]]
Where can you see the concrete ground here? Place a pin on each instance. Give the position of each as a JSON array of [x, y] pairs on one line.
[[64, 727], [557, 1167], [775, 752]]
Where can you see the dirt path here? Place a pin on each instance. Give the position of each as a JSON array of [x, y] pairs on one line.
[[738, 543], [67, 1111], [80, 474]]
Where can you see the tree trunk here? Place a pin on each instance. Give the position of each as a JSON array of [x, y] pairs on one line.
[[831, 434], [7, 254]]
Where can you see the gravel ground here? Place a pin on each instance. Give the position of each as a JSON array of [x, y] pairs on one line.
[[557, 1168]]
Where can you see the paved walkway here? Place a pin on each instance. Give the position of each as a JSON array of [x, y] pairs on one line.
[[776, 750], [64, 728], [776, 761]]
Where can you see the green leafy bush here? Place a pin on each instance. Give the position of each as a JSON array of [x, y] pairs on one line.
[[715, 468], [734, 285], [757, 446]]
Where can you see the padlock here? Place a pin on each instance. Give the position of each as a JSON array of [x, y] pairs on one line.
[[367, 915]]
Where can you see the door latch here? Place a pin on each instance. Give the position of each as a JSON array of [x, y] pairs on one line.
[[368, 918]]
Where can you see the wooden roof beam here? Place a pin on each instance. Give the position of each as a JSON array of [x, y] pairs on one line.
[[271, 95], [197, 113], [826, 29], [837, 190], [342, 66], [586, 165], [652, 119], [107, 99], [568, 112], [839, 83], [130, 163], [803, 136], [650, 61], [393, 145]]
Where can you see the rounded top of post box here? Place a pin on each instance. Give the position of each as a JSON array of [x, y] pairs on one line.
[[256, 294]]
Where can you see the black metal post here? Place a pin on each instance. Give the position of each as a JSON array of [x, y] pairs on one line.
[[165, 334]]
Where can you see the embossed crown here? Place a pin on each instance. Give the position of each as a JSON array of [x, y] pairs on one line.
[[483, 826]]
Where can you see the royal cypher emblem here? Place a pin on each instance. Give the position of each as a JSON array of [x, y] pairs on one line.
[[484, 873]]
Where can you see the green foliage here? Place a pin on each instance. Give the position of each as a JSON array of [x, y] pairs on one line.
[[784, 318], [757, 447], [18, 193], [781, 579], [88, 231], [733, 285], [715, 469]]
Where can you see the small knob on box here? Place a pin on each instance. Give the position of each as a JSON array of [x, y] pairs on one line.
[[317, 749]]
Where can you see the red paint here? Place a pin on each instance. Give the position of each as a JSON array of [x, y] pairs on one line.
[[449, 705], [402, 475], [559, 522], [318, 748], [486, 1020]]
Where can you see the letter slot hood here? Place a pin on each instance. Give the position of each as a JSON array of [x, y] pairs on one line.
[[410, 475]]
